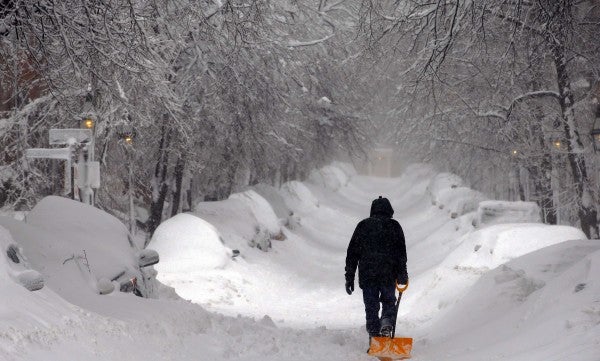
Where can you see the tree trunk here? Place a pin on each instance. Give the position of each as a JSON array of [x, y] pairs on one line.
[[160, 186], [179, 171], [541, 174], [586, 210]]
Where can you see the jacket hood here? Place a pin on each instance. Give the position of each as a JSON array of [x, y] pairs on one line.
[[382, 207]]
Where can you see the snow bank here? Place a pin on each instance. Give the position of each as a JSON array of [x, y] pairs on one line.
[[298, 197], [329, 177], [470, 256], [244, 220], [261, 209], [187, 243], [447, 191], [347, 168], [496, 212], [443, 181], [459, 200], [540, 306], [492, 246], [272, 195]]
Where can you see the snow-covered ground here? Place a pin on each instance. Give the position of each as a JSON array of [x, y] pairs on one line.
[[508, 291]]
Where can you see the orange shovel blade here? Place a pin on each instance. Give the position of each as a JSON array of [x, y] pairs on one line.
[[391, 348]]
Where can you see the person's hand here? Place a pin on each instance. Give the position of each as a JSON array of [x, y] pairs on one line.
[[349, 287], [402, 278]]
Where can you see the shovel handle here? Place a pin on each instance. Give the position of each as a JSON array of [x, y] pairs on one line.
[[403, 288]]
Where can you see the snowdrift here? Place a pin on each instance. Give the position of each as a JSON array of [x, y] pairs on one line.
[[438, 288], [541, 306]]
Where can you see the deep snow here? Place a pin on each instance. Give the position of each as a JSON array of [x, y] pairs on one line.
[[500, 292]]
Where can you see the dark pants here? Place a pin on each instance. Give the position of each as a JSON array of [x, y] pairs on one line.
[[372, 296]]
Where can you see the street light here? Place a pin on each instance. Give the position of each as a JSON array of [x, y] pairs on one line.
[[126, 133], [87, 123], [557, 144]]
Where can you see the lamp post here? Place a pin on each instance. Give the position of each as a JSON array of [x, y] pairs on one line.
[[87, 170], [126, 135]]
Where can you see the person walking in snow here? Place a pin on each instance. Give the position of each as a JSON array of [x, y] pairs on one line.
[[378, 248]]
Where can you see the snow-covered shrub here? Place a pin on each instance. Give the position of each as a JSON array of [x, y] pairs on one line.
[[496, 212]]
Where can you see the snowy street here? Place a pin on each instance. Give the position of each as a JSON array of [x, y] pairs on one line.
[[496, 301], [190, 180]]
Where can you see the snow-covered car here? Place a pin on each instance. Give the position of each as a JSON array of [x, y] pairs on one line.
[[82, 249], [17, 267]]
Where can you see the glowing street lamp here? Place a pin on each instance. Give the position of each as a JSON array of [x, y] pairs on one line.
[[126, 133], [514, 152], [557, 144], [87, 123]]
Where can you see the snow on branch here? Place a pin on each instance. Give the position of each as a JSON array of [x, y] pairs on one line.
[[505, 115], [295, 43], [530, 95]]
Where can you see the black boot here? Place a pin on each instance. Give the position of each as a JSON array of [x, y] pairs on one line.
[[386, 331]]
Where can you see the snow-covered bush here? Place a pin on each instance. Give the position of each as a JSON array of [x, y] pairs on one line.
[[496, 212]]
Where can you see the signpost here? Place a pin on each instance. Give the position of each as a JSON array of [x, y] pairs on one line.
[[70, 136], [80, 148]]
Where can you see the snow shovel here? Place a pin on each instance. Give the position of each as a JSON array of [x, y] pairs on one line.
[[392, 348]]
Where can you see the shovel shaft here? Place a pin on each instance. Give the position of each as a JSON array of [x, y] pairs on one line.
[[400, 291]]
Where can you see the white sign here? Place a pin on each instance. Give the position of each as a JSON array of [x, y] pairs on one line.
[[70, 136], [88, 175], [57, 153]]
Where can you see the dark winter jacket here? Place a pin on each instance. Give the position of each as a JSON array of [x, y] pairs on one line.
[[377, 247]]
